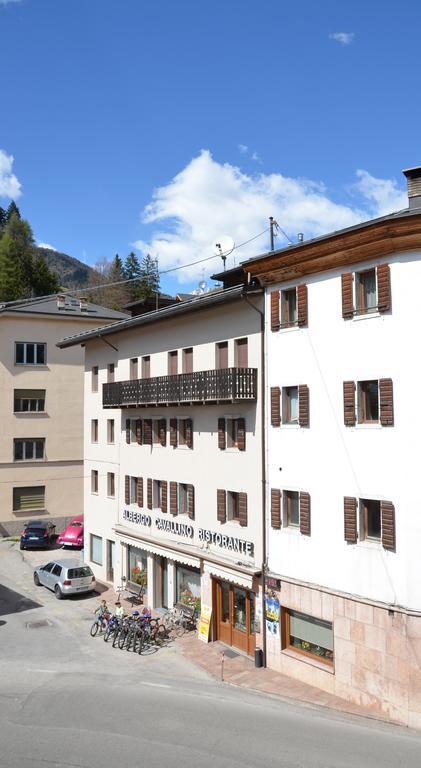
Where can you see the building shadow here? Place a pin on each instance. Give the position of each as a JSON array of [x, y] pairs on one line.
[[14, 602]]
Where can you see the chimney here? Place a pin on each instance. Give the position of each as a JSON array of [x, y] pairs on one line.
[[83, 302], [413, 178], [61, 301]]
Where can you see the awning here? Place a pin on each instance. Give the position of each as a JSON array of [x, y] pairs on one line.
[[242, 579], [156, 549]]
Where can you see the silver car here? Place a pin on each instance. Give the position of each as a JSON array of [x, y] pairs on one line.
[[65, 577]]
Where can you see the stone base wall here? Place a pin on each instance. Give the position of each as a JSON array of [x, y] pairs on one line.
[[377, 653]]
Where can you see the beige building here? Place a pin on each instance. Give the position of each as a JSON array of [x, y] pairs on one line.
[[41, 449]]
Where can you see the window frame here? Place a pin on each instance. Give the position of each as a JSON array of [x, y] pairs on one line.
[[362, 397], [359, 295], [233, 506], [187, 360], [94, 482], [110, 373], [25, 441], [363, 520], [18, 489], [21, 398], [286, 321], [286, 406], [173, 362], [231, 432], [134, 369], [146, 367], [110, 431], [288, 497], [91, 548], [220, 347], [35, 344], [182, 499], [286, 638], [94, 378], [111, 485], [94, 431]]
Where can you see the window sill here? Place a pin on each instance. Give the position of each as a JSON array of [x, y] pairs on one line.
[[31, 365], [30, 461], [368, 425], [366, 315], [290, 426], [289, 328], [30, 413], [324, 666], [35, 510]]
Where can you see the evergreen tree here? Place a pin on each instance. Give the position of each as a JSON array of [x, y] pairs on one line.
[[44, 282], [149, 277], [131, 271], [11, 278], [20, 232], [2, 220], [12, 210]]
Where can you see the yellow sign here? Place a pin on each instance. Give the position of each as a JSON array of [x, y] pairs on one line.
[[204, 623]]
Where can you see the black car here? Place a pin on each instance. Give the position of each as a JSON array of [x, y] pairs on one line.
[[37, 533]]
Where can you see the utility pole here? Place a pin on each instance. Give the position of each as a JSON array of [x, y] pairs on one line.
[[272, 238]]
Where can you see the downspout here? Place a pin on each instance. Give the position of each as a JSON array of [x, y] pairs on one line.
[[263, 446]]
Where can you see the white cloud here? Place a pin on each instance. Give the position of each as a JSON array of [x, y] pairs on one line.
[[6, 2], [256, 157], [47, 245], [345, 38], [243, 148], [9, 184], [208, 199]]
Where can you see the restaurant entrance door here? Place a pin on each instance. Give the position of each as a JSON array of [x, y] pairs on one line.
[[234, 616]]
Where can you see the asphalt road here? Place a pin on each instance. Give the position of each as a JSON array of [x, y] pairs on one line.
[[67, 699]]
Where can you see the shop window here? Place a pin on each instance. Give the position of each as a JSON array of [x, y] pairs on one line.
[[188, 587], [138, 565], [308, 636], [29, 401], [96, 549]]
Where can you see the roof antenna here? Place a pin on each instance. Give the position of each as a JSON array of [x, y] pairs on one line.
[[224, 248]]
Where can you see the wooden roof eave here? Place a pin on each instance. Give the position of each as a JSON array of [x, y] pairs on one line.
[[378, 241]]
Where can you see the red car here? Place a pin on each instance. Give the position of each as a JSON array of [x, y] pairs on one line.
[[72, 536]]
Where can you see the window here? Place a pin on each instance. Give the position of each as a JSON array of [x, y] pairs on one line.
[[182, 499], [182, 438], [94, 379], [290, 405], [188, 360], [30, 353], [233, 505], [157, 494], [241, 353], [110, 373], [96, 549], [29, 401], [365, 291], [110, 431], [307, 635], [29, 449], [368, 401], [133, 481], [146, 367], [289, 314], [370, 520], [232, 433], [111, 484], [173, 363], [57, 570], [221, 355], [291, 509], [94, 481], [134, 369], [26, 499], [94, 430]]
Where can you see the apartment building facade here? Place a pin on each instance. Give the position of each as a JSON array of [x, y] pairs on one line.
[[343, 594], [173, 459], [41, 452]]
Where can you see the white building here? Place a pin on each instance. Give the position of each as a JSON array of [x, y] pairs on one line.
[[343, 587], [173, 456]]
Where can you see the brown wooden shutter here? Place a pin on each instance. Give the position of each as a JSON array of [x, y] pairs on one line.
[[173, 498], [140, 491], [275, 508], [127, 430], [384, 298], [305, 514], [189, 433], [302, 304], [303, 405], [386, 402], [388, 524], [149, 492], [221, 434], [164, 495], [190, 501], [162, 431], [173, 433], [347, 296], [350, 519], [147, 432], [127, 489], [275, 406], [242, 508], [349, 403], [274, 311], [139, 431], [221, 505], [241, 434]]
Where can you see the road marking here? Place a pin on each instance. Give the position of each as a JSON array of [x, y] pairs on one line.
[[156, 685], [50, 671]]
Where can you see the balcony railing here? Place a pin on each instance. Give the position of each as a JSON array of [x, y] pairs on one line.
[[229, 385]]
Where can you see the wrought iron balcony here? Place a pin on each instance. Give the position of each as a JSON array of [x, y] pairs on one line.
[[229, 385]]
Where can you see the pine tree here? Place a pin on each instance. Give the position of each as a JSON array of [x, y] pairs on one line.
[[149, 277], [44, 282], [11, 278], [131, 271], [2, 220], [12, 210]]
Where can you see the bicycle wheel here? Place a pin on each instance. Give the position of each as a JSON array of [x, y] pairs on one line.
[[161, 634], [122, 639], [107, 634], [116, 636], [94, 629]]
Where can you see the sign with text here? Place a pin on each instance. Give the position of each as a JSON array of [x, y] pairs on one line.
[[204, 623]]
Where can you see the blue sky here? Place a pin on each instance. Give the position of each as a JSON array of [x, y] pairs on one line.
[[168, 124]]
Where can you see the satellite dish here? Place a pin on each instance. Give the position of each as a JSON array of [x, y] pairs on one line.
[[223, 246]]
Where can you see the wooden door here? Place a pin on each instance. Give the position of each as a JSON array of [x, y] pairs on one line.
[[234, 616]]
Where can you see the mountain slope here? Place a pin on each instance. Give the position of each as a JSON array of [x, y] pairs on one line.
[[72, 273]]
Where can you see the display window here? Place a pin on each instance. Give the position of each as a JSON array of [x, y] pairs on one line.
[[188, 587], [138, 566]]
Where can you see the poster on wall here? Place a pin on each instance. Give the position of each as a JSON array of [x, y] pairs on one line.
[[272, 613], [204, 623]]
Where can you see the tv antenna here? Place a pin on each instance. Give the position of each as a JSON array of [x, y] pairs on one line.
[[224, 247]]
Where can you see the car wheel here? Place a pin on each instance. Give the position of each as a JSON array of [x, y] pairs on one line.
[[21, 546], [36, 580], [58, 593]]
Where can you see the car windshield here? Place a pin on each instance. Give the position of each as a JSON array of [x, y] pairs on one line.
[[35, 530], [79, 573], [76, 524]]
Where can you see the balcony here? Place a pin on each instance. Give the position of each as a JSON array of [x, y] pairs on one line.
[[230, 385]]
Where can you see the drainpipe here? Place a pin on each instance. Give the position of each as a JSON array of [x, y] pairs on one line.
[[263, 444]]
